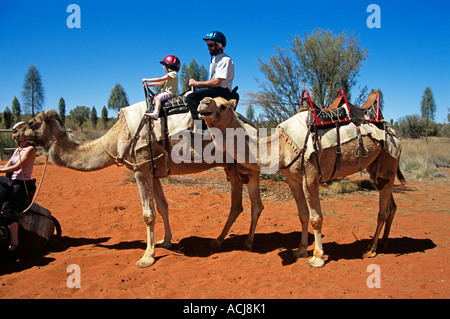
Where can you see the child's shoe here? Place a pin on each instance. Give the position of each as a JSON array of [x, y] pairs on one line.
[[154, 115]]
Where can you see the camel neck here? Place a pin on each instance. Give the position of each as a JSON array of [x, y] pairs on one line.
[[89, 156], [49, 145]]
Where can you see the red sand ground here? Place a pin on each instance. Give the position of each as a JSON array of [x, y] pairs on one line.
[[104, 234]]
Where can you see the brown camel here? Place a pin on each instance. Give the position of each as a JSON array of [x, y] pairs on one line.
[[47, 130], [304, 183]]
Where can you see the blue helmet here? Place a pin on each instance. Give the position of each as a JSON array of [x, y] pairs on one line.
[[216, 36]]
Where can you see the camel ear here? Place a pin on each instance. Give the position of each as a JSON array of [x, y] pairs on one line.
[[232, 104], [46, 115]]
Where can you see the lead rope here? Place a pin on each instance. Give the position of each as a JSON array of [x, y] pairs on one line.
[[36, 193], [38, 189]]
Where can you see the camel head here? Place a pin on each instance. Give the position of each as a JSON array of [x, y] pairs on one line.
[[43, 129], [216, 112]]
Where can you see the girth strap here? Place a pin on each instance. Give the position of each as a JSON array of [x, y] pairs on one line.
[[337, 165], [361, 150], [317, 147], [166, 143]]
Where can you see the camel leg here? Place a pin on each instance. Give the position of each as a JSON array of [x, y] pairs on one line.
[[311, 190], [387, 208], [256, 207], [163, 209], [236, 205], [303, 214], [145, 184], [390, 219]]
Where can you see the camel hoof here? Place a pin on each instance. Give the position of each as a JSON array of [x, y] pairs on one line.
[[248, 245], [302, 254], [371, 251], [163, 244], [370, 254], [315, 262], [145, 262], [215, 244]]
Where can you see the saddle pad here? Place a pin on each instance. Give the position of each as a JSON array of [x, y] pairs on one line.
[[295, 128], [175, 123], [133, 114]]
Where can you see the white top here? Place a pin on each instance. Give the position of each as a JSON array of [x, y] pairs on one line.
[[25, 172], [222, 67]]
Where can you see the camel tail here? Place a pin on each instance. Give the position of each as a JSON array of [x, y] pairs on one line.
[[400, 176]]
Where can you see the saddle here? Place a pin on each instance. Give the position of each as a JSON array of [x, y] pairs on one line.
[[178, 105], [341, 111], [36, 224], [173, 106]]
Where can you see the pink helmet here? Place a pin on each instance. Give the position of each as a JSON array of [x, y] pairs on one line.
[[172, 62]]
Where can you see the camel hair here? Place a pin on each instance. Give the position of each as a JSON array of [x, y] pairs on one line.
[[47, 130], [304, 183]]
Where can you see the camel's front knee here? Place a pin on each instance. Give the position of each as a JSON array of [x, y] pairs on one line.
[[316, 223], [149, 217]]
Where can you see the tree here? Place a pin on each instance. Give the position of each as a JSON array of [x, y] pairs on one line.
[[16, 110], [33, 92], [118, 98], [410, 126], [250, 114], [7, 116], [62, 110], [80, 115], [104, 116], [322, 62], [428, 108], [94, 117], [192, 71]]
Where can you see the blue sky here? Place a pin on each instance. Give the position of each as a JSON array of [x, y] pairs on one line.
[[123, 41]]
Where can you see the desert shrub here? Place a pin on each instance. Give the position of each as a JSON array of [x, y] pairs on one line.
[[366, 184], [341, 187], [6, 141], [410, 126], [445, 130]]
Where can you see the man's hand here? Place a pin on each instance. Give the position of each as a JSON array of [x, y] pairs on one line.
[[193, 83]]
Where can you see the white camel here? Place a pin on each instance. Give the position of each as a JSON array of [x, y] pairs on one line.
[[47, 130]]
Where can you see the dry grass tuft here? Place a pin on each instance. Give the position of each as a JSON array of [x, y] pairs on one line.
[[342, 187], [421, 160]]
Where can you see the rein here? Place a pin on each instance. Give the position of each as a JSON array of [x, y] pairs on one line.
[[36, 193], [38, 189]]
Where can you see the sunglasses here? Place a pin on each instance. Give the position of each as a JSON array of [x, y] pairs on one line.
[[210, 45]]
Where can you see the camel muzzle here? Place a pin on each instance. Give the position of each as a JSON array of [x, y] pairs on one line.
[[203, 114]]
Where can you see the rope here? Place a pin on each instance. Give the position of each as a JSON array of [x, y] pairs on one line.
[[120, 161], [36, 193]]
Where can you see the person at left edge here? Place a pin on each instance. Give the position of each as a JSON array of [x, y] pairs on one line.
[[18, 184]]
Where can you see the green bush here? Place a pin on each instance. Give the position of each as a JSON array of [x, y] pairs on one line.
[[6, 141]]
